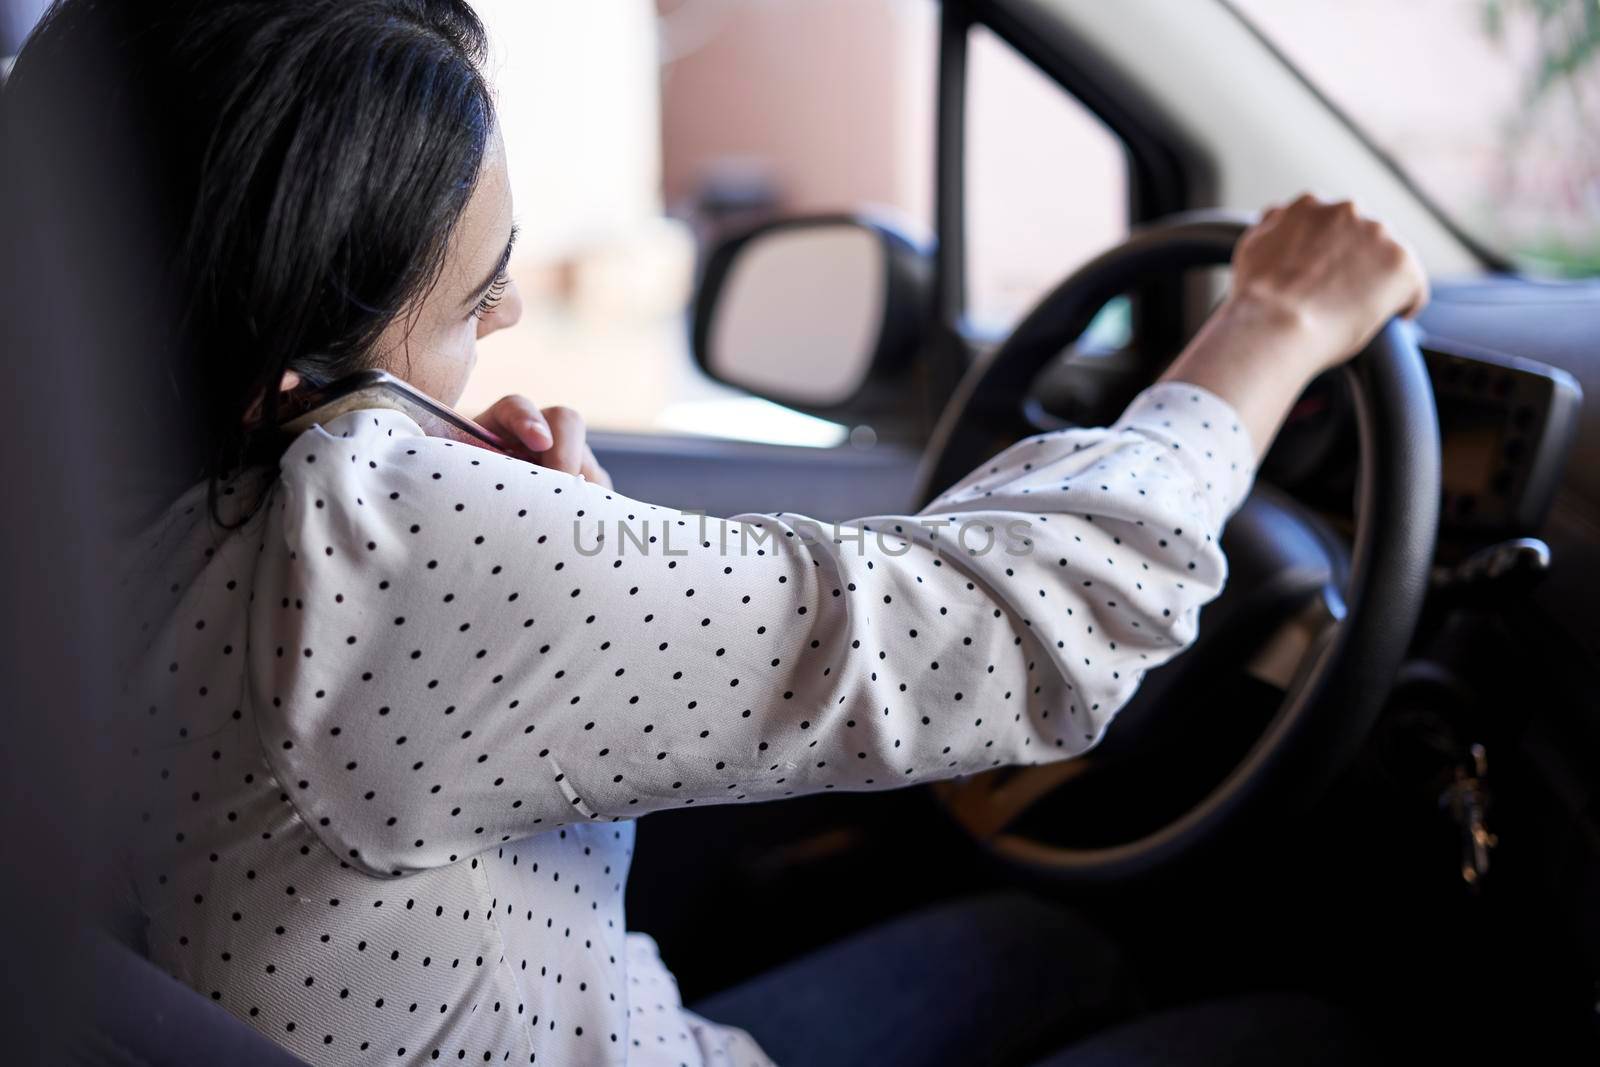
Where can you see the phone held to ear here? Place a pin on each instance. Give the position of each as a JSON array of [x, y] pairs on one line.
[[379, 389]]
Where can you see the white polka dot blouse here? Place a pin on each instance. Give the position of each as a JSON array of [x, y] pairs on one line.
[[391, 733]]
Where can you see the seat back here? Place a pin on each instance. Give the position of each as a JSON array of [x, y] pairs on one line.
[[144, 1017]]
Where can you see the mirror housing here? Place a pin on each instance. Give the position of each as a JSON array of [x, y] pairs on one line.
[[808, 312]]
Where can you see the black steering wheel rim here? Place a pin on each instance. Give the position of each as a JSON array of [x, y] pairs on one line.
[[1338, 693]]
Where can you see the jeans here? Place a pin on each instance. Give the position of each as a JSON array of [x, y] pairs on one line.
[[1007, 981]]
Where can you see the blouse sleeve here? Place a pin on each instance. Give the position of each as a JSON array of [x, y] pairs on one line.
[[452, 648]]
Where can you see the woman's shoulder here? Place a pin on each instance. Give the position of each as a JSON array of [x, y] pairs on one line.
[[374, 430], [381, 445], [370, 486], [375, 466]]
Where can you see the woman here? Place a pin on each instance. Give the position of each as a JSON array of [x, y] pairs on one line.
[[399, 698]]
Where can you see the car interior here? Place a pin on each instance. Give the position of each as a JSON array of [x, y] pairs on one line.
[[1394, 801]]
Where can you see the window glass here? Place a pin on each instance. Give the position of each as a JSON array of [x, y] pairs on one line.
[[637, 129], [1493, 106], [1047, 184]]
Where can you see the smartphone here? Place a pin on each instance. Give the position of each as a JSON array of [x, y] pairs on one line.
[[379, 389]]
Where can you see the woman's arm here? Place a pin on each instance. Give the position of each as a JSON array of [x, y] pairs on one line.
[[453, 648], [468, 648], [1312, 284]]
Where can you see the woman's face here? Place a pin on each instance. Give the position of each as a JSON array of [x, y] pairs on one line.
[[435, 345]]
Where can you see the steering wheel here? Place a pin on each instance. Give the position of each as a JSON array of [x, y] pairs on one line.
[[1330, 629]]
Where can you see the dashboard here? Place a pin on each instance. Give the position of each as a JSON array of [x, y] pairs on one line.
[[1507, 427]]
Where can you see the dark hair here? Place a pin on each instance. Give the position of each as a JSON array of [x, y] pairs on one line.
[[298, 167]]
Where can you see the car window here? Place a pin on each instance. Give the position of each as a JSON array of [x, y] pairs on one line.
[[1047, 184], [637, 131], [1497, 117]]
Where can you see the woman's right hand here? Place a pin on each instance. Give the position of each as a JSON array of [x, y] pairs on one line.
[[1336, 275], [1313, 282]]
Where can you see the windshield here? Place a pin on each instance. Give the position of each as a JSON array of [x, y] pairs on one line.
[[1491, 106]]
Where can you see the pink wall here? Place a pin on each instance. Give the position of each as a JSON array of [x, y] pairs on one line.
[[821, 91], [835, 100]]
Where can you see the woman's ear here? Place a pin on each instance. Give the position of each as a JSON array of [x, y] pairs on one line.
[[289, 382]]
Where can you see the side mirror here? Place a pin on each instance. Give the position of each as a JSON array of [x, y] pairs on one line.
[[808, 311]]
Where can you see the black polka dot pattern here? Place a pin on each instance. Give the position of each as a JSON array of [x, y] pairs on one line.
[[394, 729]]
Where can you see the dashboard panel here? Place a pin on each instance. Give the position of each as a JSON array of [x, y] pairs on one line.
[[1506, 428]]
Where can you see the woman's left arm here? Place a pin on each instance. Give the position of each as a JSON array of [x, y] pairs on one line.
[[469, 648], [459, 648]]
